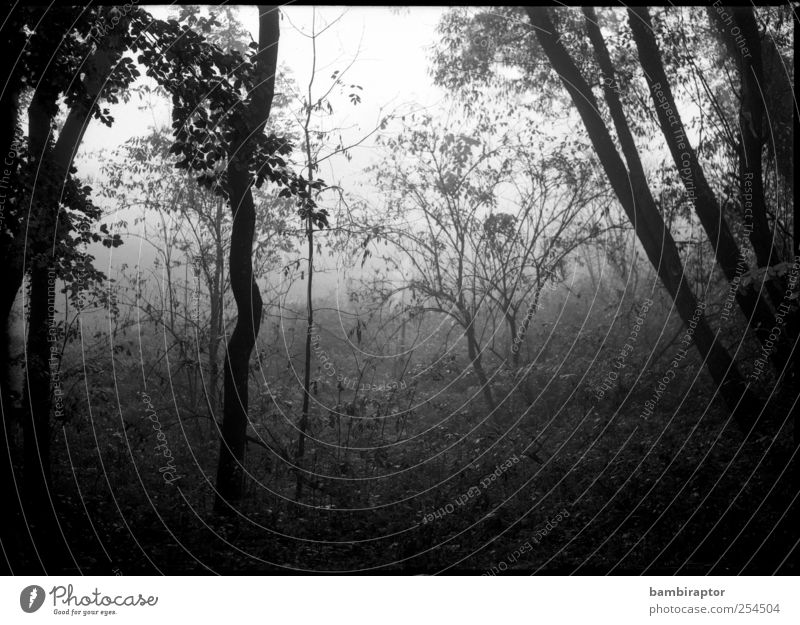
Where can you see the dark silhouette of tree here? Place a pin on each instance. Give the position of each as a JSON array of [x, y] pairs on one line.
[[193, 226], [79, 58], [475, 44], [631, 187], [43, 245], [730, 259], [751, 123], [249, 122]]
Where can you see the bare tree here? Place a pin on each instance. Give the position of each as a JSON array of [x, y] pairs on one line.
[[484, 228], [319, 146]]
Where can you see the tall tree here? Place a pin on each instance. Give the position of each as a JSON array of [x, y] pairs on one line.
[[318, 147], [632, 190], [248, 123], [60, 62], [726, 250], [192, 231], [91, 47], [46, 224], [45, 203], [748, 61]]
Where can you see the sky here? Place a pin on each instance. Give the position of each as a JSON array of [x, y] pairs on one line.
[[388, 50], [385, 51]]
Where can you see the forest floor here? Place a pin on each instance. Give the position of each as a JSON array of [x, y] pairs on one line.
[[602, 491]]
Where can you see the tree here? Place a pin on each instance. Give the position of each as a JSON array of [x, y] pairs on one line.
[[630, 185], [92, 44], [191, 235], [532, 54], [753, 304], [249, 122], [48, 230], [496, 224], [751, 122], [525, 252], [319, 147], [43, 204]]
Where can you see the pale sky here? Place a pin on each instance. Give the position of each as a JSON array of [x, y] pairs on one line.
[[389, 50]]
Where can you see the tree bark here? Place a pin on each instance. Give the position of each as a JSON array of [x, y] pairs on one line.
[[519, 334], [217, 299], [54, 167], [726, 250], [17, 529], [751, 119], [636, 199], [513, 347], [230, 471], [474, 352], [301, 442], [35, 427]]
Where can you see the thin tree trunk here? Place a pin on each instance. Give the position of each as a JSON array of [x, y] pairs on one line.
[[36, 425], [726, 250], [310, 166], [636, 198], [213, 352], [301, 443], [778, 92], [215, 322], [230, 471]]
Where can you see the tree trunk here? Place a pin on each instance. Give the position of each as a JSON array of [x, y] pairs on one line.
[[11, 255], [779, 95], [216, 294], [521, 332], [301, 443], [213, 354], [726, 250], [54, 165], [14, 530], [751, 119], [253, 118], [473, 350], [38, 496], [513, 346], [39, 124], [36, 425], [636, 198]]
